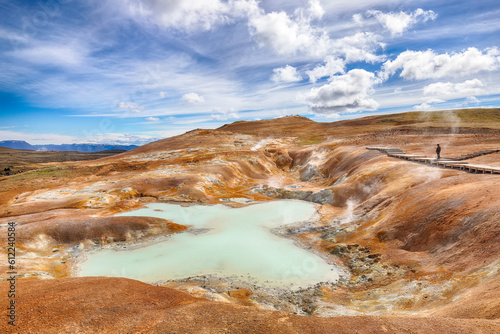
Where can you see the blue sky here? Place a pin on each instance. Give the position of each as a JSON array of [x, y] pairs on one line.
[[130, 71]]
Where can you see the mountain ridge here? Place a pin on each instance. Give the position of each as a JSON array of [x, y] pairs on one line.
[[23, 145]]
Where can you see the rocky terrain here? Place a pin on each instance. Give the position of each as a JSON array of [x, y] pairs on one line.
[[420, 245]]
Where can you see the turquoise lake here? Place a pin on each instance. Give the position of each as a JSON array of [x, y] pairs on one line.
[[236, 243]]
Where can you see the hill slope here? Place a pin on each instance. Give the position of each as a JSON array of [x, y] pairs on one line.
[[134, 307]]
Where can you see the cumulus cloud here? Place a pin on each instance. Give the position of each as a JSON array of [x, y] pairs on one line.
[[397, 23], [285, 35], [349, 92], [440, 92], [331, 67], [289, 35], [419, 65], [315, 10], [286, 74], [192, 98], [152, 119], [358, 47], [448, 90]]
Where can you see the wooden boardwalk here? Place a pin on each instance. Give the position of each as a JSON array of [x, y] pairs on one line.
[[475, 154], [451, 163]]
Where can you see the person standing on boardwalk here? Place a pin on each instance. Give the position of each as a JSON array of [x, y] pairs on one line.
[[438, 151]]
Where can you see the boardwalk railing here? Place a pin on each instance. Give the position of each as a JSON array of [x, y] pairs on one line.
[[451, 163]]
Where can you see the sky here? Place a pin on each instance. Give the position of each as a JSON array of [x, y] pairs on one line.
[[134, 71]]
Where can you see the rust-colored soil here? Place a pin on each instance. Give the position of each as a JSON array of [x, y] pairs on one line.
[[117, 305]]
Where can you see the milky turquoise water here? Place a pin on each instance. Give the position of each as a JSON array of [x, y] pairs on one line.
[[238, 245]]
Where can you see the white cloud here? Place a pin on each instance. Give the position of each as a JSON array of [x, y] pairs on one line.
[[419, 65], [422, 107], [323, 43], [345, 93], [397, 23], [440, 92], [54, 55], [152, 119], [358, 19], [358, 47], [331, 67], [224, 115], [286, 74], [13, 36], [116, 139], [186, 15], [435, 100], [448, 90], [328, 116], [37, 138], [347, 7], [131, 107], [315, 9], [192, 98], [289, 35], [473, 100], [285, 35], [103, 138]]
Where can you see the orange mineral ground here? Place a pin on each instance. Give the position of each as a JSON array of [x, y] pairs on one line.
[[419, 244]]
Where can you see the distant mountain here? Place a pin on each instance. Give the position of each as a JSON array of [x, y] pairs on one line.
[[22, 145], [17, 145], [84, 147]]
